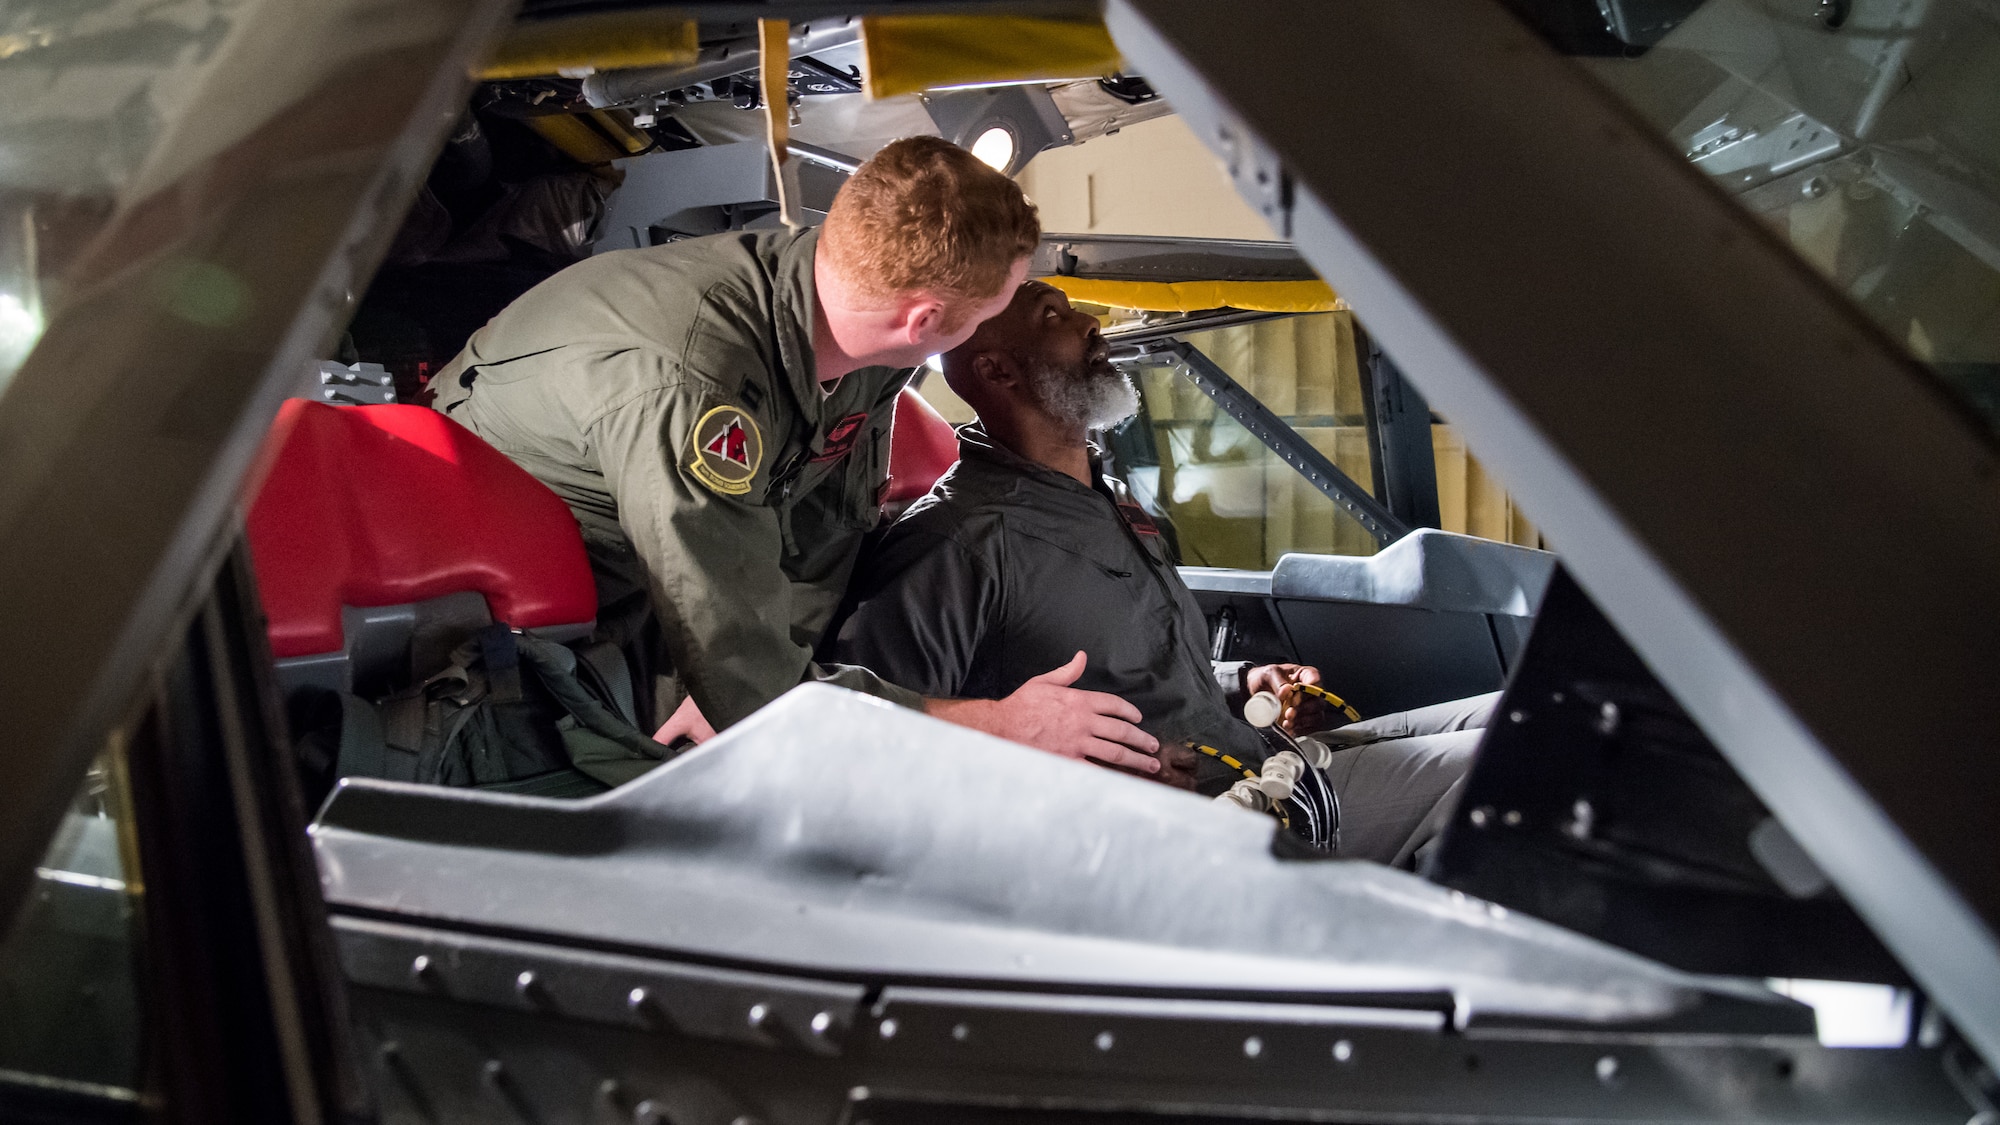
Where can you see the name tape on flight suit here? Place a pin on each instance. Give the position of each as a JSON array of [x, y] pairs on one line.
[[725, 450]]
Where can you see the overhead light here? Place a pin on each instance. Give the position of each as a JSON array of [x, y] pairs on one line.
[[995, 147], [1003, 126]]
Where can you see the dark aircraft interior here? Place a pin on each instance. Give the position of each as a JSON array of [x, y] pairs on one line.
[[838, 911]]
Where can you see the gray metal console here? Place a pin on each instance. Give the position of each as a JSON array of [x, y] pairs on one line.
[[1433, 616]]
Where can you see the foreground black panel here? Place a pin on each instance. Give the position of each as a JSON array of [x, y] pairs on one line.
[[1599, 805]]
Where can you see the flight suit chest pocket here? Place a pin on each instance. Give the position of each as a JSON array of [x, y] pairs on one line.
[[864, 477]]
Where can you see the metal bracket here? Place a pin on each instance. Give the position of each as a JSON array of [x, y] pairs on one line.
[[1316, 467]]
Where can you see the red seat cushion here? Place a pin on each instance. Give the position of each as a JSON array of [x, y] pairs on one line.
[[921, 447], [391, 505]]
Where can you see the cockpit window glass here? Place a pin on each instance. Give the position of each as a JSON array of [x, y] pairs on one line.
[[1868, 136], [1232, 502], [1228, 499], [69, 986], [91, 97]]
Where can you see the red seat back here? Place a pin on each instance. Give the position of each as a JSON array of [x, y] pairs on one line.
[[921, 447], [393, 505]]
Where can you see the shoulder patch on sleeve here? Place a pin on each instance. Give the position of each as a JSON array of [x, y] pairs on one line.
[[725, 450]]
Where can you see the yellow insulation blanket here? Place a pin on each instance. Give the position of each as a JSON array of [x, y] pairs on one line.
[[576, 45], [908, 54], [1194, 296]]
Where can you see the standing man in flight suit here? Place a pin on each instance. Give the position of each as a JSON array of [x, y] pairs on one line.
[[716, 413]]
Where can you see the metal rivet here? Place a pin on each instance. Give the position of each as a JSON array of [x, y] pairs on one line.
[[421, 967], [1607, 718], [527, 984], [638, 999], [494, 1071], [1480, 816], [960, 1032], [758, 1014], [1343, 1050], [1512, 818], [822, 1022], [1583, 820], [888, 1028], [1104, 1041], [1607, 1069], [1517, 716], [648, 1113], [1252, 1047]]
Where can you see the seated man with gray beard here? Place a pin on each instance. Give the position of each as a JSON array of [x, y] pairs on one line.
[[1025, 555]]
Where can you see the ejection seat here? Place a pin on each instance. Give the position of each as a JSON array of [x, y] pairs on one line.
[[383, 536], [921, 447], [376, 523]]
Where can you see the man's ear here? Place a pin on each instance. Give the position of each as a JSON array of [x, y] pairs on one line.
[[995, 369], [920, 320]]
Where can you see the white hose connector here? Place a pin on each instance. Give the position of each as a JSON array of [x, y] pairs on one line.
[[1318, 753], [1280, 775], [1245, 794], [1262, 709]]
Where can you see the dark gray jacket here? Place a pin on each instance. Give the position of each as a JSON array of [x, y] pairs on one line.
[[1008, 568]]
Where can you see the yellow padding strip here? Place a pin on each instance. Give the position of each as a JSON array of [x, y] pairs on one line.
[[600, 41], [909, 54], [1194, 296], [578, 141]]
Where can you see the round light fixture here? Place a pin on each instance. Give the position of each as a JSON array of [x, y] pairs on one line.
[[995, 147]]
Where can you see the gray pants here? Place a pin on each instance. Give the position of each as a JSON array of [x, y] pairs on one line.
[[1399, 776]]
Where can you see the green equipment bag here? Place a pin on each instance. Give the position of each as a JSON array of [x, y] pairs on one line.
[[510, 712]]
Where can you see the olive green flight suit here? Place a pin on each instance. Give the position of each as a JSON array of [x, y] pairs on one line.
[[668, 395]]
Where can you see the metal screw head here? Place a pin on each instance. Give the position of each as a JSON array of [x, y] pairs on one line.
[[1517, 717], [1105, 1040], [1480, 816], [759, 1013], [1252, 1047], [1343, 1051], [822, 1022], [637, 999], [1583, 820], [421, 968], [1607, 718], [887, 1028], [960, 1032], [527, 984], [494, 1071], [648, 1113], [1813, 188], [1607, 1069], [1511, 818]]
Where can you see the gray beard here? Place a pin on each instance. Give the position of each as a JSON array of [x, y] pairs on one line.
[[1089, 401]]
